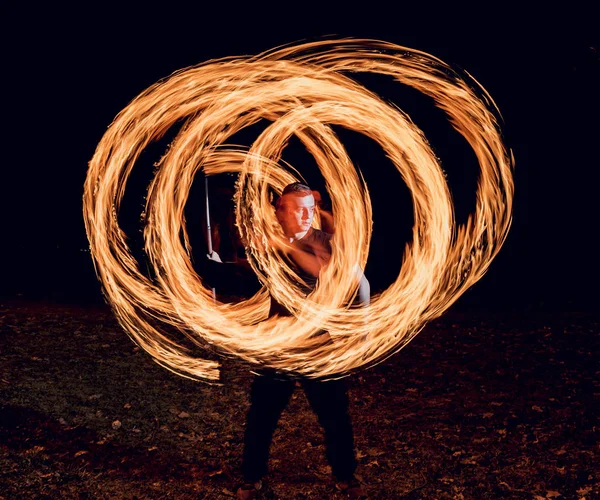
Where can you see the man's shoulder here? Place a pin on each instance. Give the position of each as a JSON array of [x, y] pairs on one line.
[[316, 237], [319, 235]]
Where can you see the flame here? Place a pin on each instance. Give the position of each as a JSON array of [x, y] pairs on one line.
[[302, 90]]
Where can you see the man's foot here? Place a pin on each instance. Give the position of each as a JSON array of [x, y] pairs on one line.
[[353, 488], [248, 491]]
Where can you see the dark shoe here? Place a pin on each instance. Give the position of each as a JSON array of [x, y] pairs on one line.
[[248, 491], [353, 488]]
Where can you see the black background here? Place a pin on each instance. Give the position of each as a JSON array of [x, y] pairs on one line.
[[67, 71]]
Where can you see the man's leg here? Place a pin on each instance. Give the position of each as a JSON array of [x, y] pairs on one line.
[[329, 401], [269, 396]]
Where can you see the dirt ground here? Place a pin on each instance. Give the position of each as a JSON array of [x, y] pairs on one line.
[[478, 406]]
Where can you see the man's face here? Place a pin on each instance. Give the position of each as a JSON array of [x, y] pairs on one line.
[[295, 214]]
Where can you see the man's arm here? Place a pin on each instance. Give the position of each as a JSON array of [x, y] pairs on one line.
[[363, 296], [309, 262]]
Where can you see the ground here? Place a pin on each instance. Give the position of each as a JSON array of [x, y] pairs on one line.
[[478, 406]]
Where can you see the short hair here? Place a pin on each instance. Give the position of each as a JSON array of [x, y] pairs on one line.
[[293, 188]]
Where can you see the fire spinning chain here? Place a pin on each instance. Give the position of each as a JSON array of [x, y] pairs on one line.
[[301, 90]]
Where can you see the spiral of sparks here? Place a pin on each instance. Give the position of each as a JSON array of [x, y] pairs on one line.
[[301, 90]]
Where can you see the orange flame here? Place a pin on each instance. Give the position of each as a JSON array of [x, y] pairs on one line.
[[301, 90]]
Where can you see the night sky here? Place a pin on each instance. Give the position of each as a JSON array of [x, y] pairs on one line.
[[68, 71]]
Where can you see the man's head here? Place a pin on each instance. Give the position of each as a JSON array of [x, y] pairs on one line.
[[295, 209]]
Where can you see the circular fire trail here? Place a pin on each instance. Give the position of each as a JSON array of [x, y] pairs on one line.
[[301, 90]]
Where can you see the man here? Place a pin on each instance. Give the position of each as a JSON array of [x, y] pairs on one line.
[[309, 250]]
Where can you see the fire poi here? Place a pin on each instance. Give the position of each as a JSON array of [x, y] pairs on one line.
[[301, 90]]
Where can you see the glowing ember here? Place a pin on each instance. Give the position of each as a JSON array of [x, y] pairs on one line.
[[301, 90]]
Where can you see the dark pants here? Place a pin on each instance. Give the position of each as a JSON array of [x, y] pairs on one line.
[[268, 399]]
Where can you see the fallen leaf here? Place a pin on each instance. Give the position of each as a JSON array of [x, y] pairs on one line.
[[34, 450], [324, 470], [536, 408], [82, 452], [116, 424], [183, 414], [552, 494]]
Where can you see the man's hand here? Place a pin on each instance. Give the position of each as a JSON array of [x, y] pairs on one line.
[[327, 222], [214, 257]]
